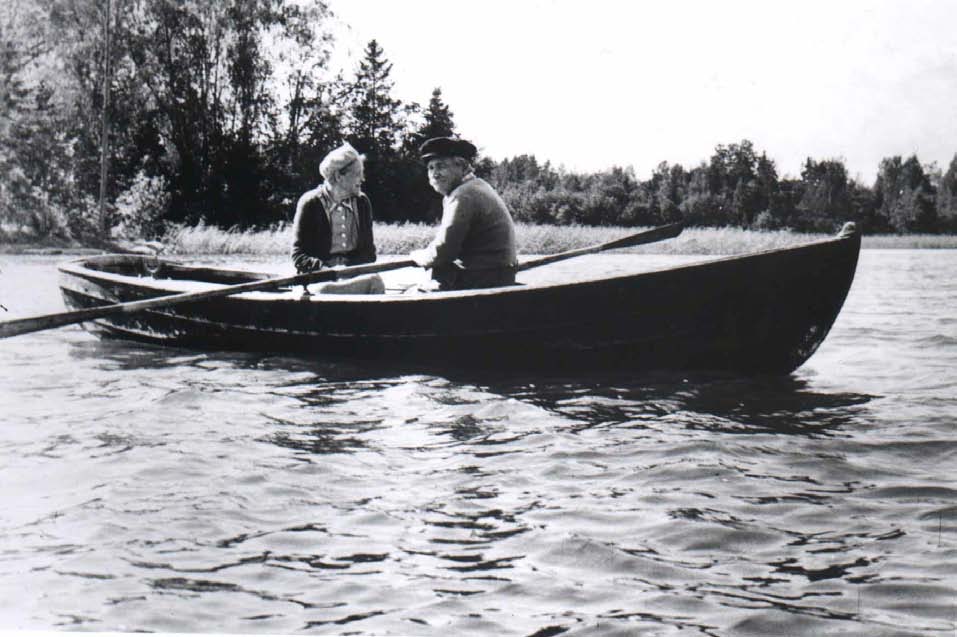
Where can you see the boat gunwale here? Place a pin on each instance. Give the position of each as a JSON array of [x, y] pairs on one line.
[[78, 268]]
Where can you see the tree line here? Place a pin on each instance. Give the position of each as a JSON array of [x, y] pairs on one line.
[[218, 111], [737, 187]]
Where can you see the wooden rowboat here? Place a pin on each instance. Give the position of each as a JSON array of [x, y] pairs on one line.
[[765, 312]]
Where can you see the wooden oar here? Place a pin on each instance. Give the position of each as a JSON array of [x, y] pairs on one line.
[[649, 236], [49, 321]]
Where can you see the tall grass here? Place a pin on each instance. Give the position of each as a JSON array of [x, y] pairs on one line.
[[532, 239], [923, 241], [402, 238], [203, 239]]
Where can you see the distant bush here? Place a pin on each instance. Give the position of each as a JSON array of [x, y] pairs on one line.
[[140, 209], [766, 221]]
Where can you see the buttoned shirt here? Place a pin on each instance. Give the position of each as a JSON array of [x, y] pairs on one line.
[[312, 243], [343, 222]]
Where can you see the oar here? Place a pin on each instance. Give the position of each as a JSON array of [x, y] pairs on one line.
[[649, 236], [48, 321]]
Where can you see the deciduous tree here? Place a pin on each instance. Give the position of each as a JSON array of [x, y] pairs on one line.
[[825, 199], [947, 197], [904, 195]]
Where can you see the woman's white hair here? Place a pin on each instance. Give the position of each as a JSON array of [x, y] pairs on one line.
[[333, 164]]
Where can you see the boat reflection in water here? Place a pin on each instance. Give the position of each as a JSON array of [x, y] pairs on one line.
[[720, 402]]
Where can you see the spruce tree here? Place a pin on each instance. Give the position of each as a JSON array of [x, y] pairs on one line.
[[375, 115], [438, 118]]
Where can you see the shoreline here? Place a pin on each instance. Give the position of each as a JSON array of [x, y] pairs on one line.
[[7, 251], [532, 239]]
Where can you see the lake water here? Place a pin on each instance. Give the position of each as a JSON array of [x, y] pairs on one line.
[[150, 489]]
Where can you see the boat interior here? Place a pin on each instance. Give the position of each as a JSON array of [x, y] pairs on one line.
[[171, 274]]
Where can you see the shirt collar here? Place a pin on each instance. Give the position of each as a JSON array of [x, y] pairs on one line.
[[329, 201]]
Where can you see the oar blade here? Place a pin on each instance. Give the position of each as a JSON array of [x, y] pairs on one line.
[[16, 327], [655, 234], [648, 236]]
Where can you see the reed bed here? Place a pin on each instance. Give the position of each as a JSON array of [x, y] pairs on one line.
[[914, 241], [203, 239], [532, 239], [394, 239]]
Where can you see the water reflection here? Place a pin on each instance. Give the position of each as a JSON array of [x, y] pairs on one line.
[[121, 354], [791, 566], [726, 404], [723, 403], [317, 440]]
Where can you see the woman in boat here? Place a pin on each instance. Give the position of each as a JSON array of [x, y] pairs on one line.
[[333, 223], [474, 246]]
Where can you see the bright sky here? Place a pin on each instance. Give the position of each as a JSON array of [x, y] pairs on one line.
[[590, 84]]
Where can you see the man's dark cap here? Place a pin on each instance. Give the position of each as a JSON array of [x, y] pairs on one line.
[[446, 147]]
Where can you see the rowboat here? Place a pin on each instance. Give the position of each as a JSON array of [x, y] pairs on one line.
[[765, 312]]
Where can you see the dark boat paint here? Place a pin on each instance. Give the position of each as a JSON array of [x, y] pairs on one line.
[[765, 312]]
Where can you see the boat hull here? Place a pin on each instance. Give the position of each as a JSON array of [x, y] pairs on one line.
[[766, 312]]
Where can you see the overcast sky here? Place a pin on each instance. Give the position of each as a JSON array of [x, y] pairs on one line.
[[592, 84]]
